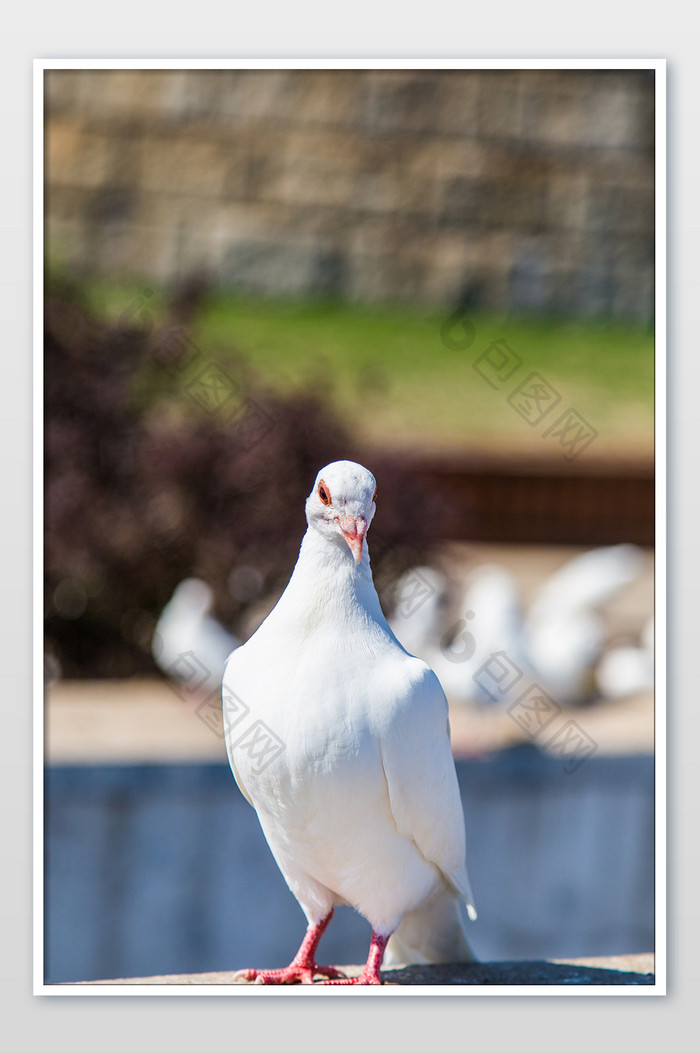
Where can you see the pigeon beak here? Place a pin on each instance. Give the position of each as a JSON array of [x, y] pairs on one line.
[[354, 529]]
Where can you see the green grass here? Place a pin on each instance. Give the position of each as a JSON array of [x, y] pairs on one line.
[[396, 381]]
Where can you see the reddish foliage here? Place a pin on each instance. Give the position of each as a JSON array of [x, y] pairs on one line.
[[144, 488]]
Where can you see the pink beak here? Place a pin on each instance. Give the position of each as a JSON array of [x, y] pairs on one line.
[[354, 529]]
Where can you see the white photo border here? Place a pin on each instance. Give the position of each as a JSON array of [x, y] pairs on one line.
[[41, 66]]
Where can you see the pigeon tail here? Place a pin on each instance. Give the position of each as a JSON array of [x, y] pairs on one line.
[[435, 932]]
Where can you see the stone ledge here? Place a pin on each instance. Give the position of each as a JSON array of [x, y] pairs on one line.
[[625, 970]]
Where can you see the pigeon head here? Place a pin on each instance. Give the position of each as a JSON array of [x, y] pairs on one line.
[[342, 504]]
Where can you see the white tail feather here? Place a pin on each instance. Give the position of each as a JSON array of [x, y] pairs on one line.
[[434, 932]]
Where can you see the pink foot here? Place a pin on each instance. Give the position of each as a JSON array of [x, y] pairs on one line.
[[303, 968], [370, 973], [296, 973]]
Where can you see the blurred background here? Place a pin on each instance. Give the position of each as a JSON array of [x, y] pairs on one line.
[[449, 276]]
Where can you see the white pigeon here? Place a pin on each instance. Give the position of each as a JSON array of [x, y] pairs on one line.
[[491, 625], [625, 671], [588, 580], [564, 631], [340, 740], [563, 648], [189, 645], [628, 670]]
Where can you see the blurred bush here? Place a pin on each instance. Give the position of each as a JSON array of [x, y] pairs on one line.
[[161, 465]]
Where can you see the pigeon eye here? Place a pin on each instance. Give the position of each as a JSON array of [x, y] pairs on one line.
[[324, 494], [374, 495]]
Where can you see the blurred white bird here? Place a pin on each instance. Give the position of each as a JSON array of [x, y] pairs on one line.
[[52, 669], [340, 740], [189, 645], [490, 624], [564, 647], [589, 580], [564, 631], [625, 671], [417, 617], [558, 644], [628, 670]]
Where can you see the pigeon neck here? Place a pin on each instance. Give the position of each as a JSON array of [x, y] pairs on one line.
[[324, 557], [327, 577]]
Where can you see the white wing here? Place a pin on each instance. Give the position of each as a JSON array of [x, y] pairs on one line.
[[422, 781], [227, 695]]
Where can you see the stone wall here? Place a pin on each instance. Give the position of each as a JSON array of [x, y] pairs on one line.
[[522, 190]]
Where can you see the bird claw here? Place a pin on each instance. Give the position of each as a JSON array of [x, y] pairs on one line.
[[244, 974], [291, 974]]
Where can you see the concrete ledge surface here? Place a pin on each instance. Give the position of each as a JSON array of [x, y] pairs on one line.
[[621, 970]]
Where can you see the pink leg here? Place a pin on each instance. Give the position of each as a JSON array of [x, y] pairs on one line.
[[370, 973], [303, 968]]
